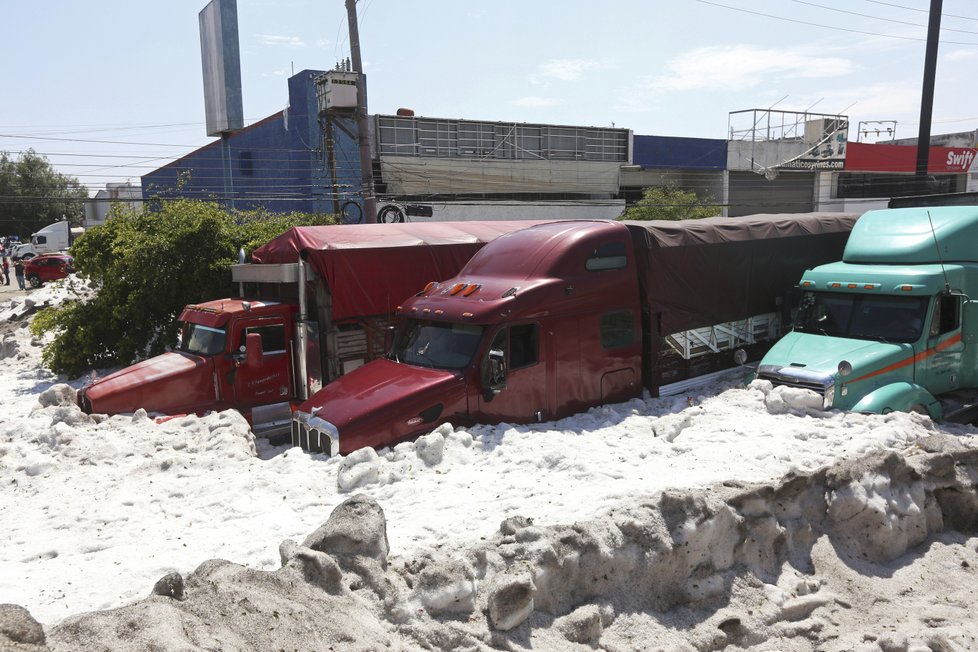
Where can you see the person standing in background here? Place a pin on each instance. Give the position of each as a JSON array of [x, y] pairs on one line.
[[19, 273]]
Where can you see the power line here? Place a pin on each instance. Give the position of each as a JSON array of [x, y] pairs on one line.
[[889, 20], [925, 11], [840, 29]]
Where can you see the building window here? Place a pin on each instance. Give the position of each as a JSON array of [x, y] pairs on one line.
[[442, 138], [245, 164]]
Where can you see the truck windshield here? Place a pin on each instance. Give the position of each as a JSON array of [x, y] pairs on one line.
[[201, 340], [862, 316], [438, 345]]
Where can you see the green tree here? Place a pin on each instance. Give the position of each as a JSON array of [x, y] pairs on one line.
[[670, 203], [145, 266], [33, 195]]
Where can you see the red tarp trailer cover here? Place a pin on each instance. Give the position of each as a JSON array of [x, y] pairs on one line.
[[371, 268]]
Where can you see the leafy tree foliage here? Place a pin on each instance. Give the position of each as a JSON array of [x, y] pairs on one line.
[[146, 266], [670, 203], [33, 195]]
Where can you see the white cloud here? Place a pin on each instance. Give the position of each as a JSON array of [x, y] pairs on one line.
[[733, 70], [961, 55], [535, 102], [567, 69], [744, 66], [276, 41]]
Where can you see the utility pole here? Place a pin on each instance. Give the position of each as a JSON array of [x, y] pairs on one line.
[[927, 94], [363, 129]]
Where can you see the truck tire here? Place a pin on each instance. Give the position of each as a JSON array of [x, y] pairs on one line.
[[352, 213], [27, 256], [390, 214], [35, 280]]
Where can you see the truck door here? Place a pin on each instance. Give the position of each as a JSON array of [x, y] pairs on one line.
[[524, 399], [941, 369], [269, 381]]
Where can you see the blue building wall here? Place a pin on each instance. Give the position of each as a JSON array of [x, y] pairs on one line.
[[679, 153], [276, 163], [341, 173]]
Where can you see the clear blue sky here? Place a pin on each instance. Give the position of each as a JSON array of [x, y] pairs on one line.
[[109, 90]]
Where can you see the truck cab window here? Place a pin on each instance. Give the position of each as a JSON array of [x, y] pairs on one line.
[[607, 256], [520, 344], [617, 329], [202, 340], [881, 318], [947, 314], [523, 345], [438, 345], [272, 337]]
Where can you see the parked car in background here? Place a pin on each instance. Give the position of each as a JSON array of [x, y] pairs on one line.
[[47, 267]]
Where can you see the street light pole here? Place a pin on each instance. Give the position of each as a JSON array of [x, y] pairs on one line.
[[363, 129], [927, 94]]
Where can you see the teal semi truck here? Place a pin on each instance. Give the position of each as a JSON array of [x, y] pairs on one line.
[[893, 325]]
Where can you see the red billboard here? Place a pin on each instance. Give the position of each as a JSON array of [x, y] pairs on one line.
[[876, 157]]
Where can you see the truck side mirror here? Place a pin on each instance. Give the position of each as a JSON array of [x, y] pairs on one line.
[[495, 380], [253, 349]]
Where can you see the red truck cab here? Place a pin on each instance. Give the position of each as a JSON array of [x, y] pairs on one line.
[[232, 353], [540, 324]]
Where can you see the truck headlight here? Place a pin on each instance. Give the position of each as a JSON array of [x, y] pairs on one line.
[[827, 396], [314, 434]]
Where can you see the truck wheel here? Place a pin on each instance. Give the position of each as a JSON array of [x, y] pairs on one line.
[[390, 214], [352, 213], [35, 280], [27, 256]]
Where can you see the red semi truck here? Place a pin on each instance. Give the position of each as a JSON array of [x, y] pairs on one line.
[[283, 338], [552, 319]]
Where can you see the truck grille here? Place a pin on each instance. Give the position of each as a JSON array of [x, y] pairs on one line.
[[314, 434], [815, 386], [796, 377]]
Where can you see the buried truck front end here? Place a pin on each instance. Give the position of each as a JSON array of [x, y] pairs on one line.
[[232, 353], [879, 336], [540, 324], [259, 356]]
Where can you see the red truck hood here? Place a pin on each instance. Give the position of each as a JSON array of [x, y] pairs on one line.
[[172, 383], [385, 401]]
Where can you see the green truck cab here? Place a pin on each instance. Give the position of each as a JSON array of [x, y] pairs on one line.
[[892, 326]]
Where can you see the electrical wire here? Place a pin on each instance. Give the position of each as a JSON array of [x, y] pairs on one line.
[[835, 27], [925, 11], [889, 20]]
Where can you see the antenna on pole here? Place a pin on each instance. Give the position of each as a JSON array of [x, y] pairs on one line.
[[940, 259]]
